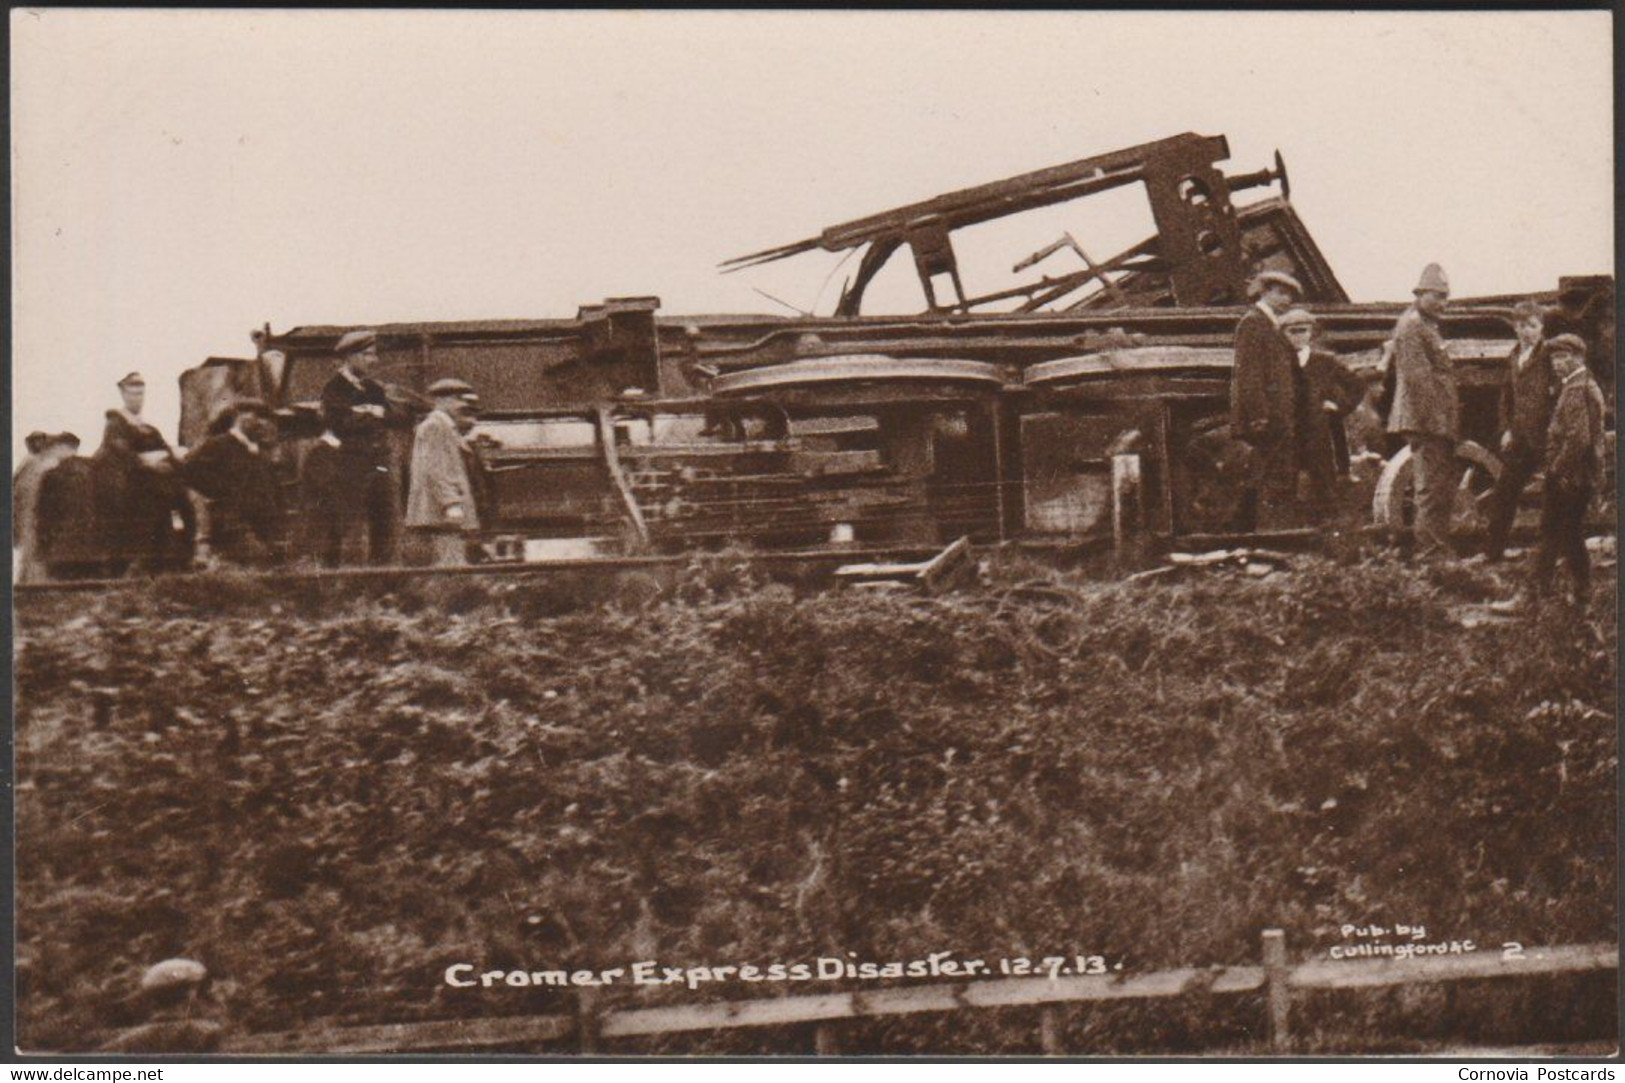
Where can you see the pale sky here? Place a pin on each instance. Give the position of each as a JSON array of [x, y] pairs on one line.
[[181, 177]]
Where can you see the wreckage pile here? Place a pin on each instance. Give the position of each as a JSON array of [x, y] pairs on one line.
[[330, 804]]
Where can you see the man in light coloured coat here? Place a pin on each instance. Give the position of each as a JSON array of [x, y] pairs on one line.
[[1425, 410], [440, 508]]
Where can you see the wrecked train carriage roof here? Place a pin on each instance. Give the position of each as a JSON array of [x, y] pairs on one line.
[[322, 336], [1344, 314]]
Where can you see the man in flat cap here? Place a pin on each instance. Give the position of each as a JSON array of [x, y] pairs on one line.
[[1425, 410], [1328, 392], [1528, 389], [242, 518], [1264, 393], [354, 409], [144, 511], [440, 508]]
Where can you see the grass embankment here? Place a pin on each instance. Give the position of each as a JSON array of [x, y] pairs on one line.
[[330, 802]]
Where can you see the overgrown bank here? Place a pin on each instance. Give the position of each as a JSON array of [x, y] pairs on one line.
[[329, 804]]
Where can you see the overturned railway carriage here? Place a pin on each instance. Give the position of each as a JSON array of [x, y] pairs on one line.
[[993, 416]]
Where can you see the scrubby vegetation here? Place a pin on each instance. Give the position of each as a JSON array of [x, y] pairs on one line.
[[330, 800]]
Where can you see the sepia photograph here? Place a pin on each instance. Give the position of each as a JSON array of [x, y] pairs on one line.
[[700, 534]]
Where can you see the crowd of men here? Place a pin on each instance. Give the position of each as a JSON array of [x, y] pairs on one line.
[[140, 505], [1289, 400]]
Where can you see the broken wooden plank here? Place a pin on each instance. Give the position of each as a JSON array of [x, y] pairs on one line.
[[623, 488], [929, 575], [941, 569]]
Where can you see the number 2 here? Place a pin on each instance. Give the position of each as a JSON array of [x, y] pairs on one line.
[[1511, 950]]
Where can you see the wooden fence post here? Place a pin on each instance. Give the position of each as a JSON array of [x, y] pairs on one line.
[[587, 1036], [826, 1040], [1280, 995], [1049, 1031]]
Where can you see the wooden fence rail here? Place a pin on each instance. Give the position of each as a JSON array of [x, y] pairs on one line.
[[589, 1027]]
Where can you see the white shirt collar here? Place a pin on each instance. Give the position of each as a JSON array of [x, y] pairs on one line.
[[245, 441], [1268, 311], [1303, 354], [134, 419], [349, 374], [1525, 355]]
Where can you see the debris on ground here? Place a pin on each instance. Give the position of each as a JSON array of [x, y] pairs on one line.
[[933, 575], [1256, 563]]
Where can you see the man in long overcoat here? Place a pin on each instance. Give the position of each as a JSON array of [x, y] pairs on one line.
[[146, 519], [1426, 411], [356, 412], [1264, 392], [440, 506]]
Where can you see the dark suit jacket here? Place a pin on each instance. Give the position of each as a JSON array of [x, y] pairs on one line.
[[134, 501], [244, 493], [362, 435], [1264, 383], [1526, 400], [68, 529], [1326, 379]]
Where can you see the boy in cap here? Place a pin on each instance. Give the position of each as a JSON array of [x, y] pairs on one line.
[[1526, 411], [1328, 392], [354, 409], [1264, 401], [1575, 457], [440, 507], [1425, 410]]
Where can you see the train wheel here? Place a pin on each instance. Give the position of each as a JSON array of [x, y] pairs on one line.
[[1394, 505]]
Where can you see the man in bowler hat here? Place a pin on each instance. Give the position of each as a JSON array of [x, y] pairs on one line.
[[1264, 393]]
